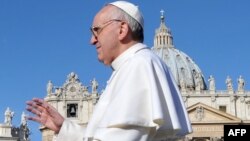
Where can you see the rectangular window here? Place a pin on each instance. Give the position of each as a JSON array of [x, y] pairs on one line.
[[223, 108], [72, 110]]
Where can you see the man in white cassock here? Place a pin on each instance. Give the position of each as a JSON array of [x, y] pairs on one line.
[[141, 101]]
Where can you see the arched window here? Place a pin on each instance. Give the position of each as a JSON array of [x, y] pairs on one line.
[[164, 40]]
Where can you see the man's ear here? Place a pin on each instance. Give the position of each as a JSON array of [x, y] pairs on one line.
[[124, 30]]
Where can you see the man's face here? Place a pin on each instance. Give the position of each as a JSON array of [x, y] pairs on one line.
[[105, 32]]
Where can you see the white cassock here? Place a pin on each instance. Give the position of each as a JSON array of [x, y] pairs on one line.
[[140, 103]]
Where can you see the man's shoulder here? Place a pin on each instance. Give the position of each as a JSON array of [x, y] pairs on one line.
[[146, 56]]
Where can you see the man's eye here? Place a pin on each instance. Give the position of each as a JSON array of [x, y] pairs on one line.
[[96, 29]]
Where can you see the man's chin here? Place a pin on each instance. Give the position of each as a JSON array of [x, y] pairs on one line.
[[101, 60]]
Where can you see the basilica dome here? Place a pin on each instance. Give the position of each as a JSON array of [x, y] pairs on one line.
[[185, 71]]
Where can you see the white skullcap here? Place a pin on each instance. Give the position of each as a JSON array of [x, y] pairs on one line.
[[131, 10]]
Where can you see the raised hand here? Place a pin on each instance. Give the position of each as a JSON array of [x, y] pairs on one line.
[[45, 114]]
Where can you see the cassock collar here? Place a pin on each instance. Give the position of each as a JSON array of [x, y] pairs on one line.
[[116, 64]]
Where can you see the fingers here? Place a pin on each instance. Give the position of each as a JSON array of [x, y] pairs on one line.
[[39, 108], [37, 119], [36, 106], [42, 105], [33, 110]]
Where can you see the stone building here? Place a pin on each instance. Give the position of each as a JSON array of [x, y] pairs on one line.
[[73, 100], [9, 132], [209, 109]]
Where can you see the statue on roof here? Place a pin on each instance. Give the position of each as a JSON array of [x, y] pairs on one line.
[[49, 87], [198, 81], [72, 77], [211, 81], [94, 85], [24, 131], [23, 119], [58, 91], [229, 83], [8, 116], [241, 83]]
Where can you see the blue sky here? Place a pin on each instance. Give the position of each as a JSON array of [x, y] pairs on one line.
[[42, 40]]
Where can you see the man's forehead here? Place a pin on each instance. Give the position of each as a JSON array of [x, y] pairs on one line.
[[103, 14]]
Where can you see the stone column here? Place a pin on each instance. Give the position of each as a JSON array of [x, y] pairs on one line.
[[242, 108], [233, 105], [213, 100]]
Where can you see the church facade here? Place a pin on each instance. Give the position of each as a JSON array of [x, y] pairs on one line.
[[209, 109], [73, 100]]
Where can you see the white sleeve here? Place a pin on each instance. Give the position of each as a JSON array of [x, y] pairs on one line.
[[70, 131], [123, 134]]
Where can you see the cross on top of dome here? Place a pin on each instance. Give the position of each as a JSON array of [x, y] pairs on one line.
[[162, 16]]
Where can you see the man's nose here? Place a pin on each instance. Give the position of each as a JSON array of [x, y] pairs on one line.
[[93, 40]]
